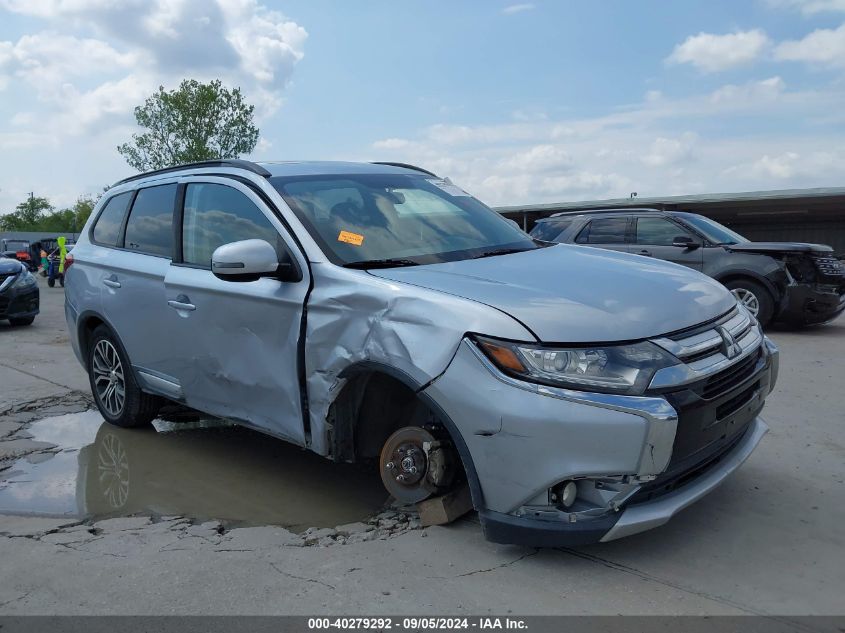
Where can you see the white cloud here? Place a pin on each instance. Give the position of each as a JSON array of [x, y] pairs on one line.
[[47, 59], [640, 148], [518, 8], [751, 92], [538, 159], [822, 46], [665, 151], [392, 143], [713, 53], [70, 85], [809, 7]]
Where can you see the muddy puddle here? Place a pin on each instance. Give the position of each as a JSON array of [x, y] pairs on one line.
[[203, 470]]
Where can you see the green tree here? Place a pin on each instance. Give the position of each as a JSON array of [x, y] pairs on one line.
[[196, 122], [27, 215], [37, 214]]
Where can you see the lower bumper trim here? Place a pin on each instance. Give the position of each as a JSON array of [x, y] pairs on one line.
[[512, 530], [645, 516]]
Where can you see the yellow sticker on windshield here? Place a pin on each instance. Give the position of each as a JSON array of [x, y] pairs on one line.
[[350, 238]]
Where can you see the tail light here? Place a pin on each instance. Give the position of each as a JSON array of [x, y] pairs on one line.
[[68, 261]]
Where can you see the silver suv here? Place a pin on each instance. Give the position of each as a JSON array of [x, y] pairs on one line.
[[376, 312]]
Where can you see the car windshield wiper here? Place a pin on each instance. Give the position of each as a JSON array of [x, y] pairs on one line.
[[381, 263], [500, 251]]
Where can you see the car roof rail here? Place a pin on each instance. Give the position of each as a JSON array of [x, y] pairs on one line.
[[596, 211], [405, 165], [220, 162]]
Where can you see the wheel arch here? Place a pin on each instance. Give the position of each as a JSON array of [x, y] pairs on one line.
[[375, 381], [739, 274], [89, 321]]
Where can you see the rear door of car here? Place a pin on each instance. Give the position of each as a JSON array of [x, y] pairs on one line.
[[234, 345], [611, 232], [654, 237], [132, 281]]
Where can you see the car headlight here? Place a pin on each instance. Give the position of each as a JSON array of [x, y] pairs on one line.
[[625, 369], [24, 280]]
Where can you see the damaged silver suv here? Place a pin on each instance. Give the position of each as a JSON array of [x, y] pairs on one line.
[[376, 312]]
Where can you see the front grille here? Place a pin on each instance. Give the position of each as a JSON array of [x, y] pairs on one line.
[[829, 266], [674, 479], [716, 397], [727, 378], [737, 402]]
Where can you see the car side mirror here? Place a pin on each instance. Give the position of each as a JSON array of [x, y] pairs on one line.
[[685, 241], [248, 260]]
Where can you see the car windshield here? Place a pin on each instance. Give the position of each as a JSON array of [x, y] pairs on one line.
[[397, 220], [713, 231]]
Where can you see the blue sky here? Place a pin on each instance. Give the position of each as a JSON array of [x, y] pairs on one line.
[[518, 102]]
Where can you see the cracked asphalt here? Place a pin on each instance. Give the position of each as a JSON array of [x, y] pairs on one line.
[[768, 542]]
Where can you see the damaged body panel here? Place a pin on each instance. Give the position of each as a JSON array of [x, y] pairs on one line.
[[377, 313]]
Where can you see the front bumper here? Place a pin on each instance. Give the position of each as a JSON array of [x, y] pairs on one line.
[[811, 304], [505, 528], [19, 303], [522, 440]]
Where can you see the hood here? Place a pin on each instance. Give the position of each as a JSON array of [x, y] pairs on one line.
[[9, 266], [578, 294], [779, 247]]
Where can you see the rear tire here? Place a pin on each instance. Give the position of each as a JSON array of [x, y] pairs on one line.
[[754, 297], [118, 397], [22, 321], [51, 282]]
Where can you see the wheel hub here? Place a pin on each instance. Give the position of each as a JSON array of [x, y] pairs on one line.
[[405, 464]]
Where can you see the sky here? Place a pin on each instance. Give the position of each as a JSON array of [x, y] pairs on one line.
[[516, 102]]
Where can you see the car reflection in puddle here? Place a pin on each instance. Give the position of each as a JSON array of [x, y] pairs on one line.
[[210, 469]]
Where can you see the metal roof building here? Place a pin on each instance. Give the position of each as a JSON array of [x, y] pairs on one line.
[[794, 215]]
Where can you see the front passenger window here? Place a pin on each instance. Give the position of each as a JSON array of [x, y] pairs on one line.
[[215, 215], [658, 231]]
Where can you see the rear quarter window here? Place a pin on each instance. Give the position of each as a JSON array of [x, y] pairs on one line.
[[107, 227]]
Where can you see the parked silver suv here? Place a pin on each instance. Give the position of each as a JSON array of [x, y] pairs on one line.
[[378, 312]]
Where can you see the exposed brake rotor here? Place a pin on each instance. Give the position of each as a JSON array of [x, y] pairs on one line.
[[415, 465]]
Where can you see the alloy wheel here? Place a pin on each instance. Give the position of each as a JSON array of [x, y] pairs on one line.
[[748, 299], [108, 377]]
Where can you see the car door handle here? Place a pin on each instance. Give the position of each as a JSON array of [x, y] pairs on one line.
[[179, 305], [111, 283], [645, 252]]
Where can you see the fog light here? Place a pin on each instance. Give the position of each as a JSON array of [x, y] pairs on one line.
[[564, 493]]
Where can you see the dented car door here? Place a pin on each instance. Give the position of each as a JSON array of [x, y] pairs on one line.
[[235, 343]]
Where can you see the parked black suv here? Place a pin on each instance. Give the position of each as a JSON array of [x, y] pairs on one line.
[[797, 283]]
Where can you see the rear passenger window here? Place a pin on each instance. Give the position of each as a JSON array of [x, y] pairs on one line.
[[107, 227], [604, 231], [150, 226], [549, 231], [216, 215]]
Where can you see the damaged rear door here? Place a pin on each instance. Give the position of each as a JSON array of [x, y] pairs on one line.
[[234, 344]]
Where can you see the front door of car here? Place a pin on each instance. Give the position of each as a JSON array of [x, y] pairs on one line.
[[655, 236], [235, 342], [610, 233]]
